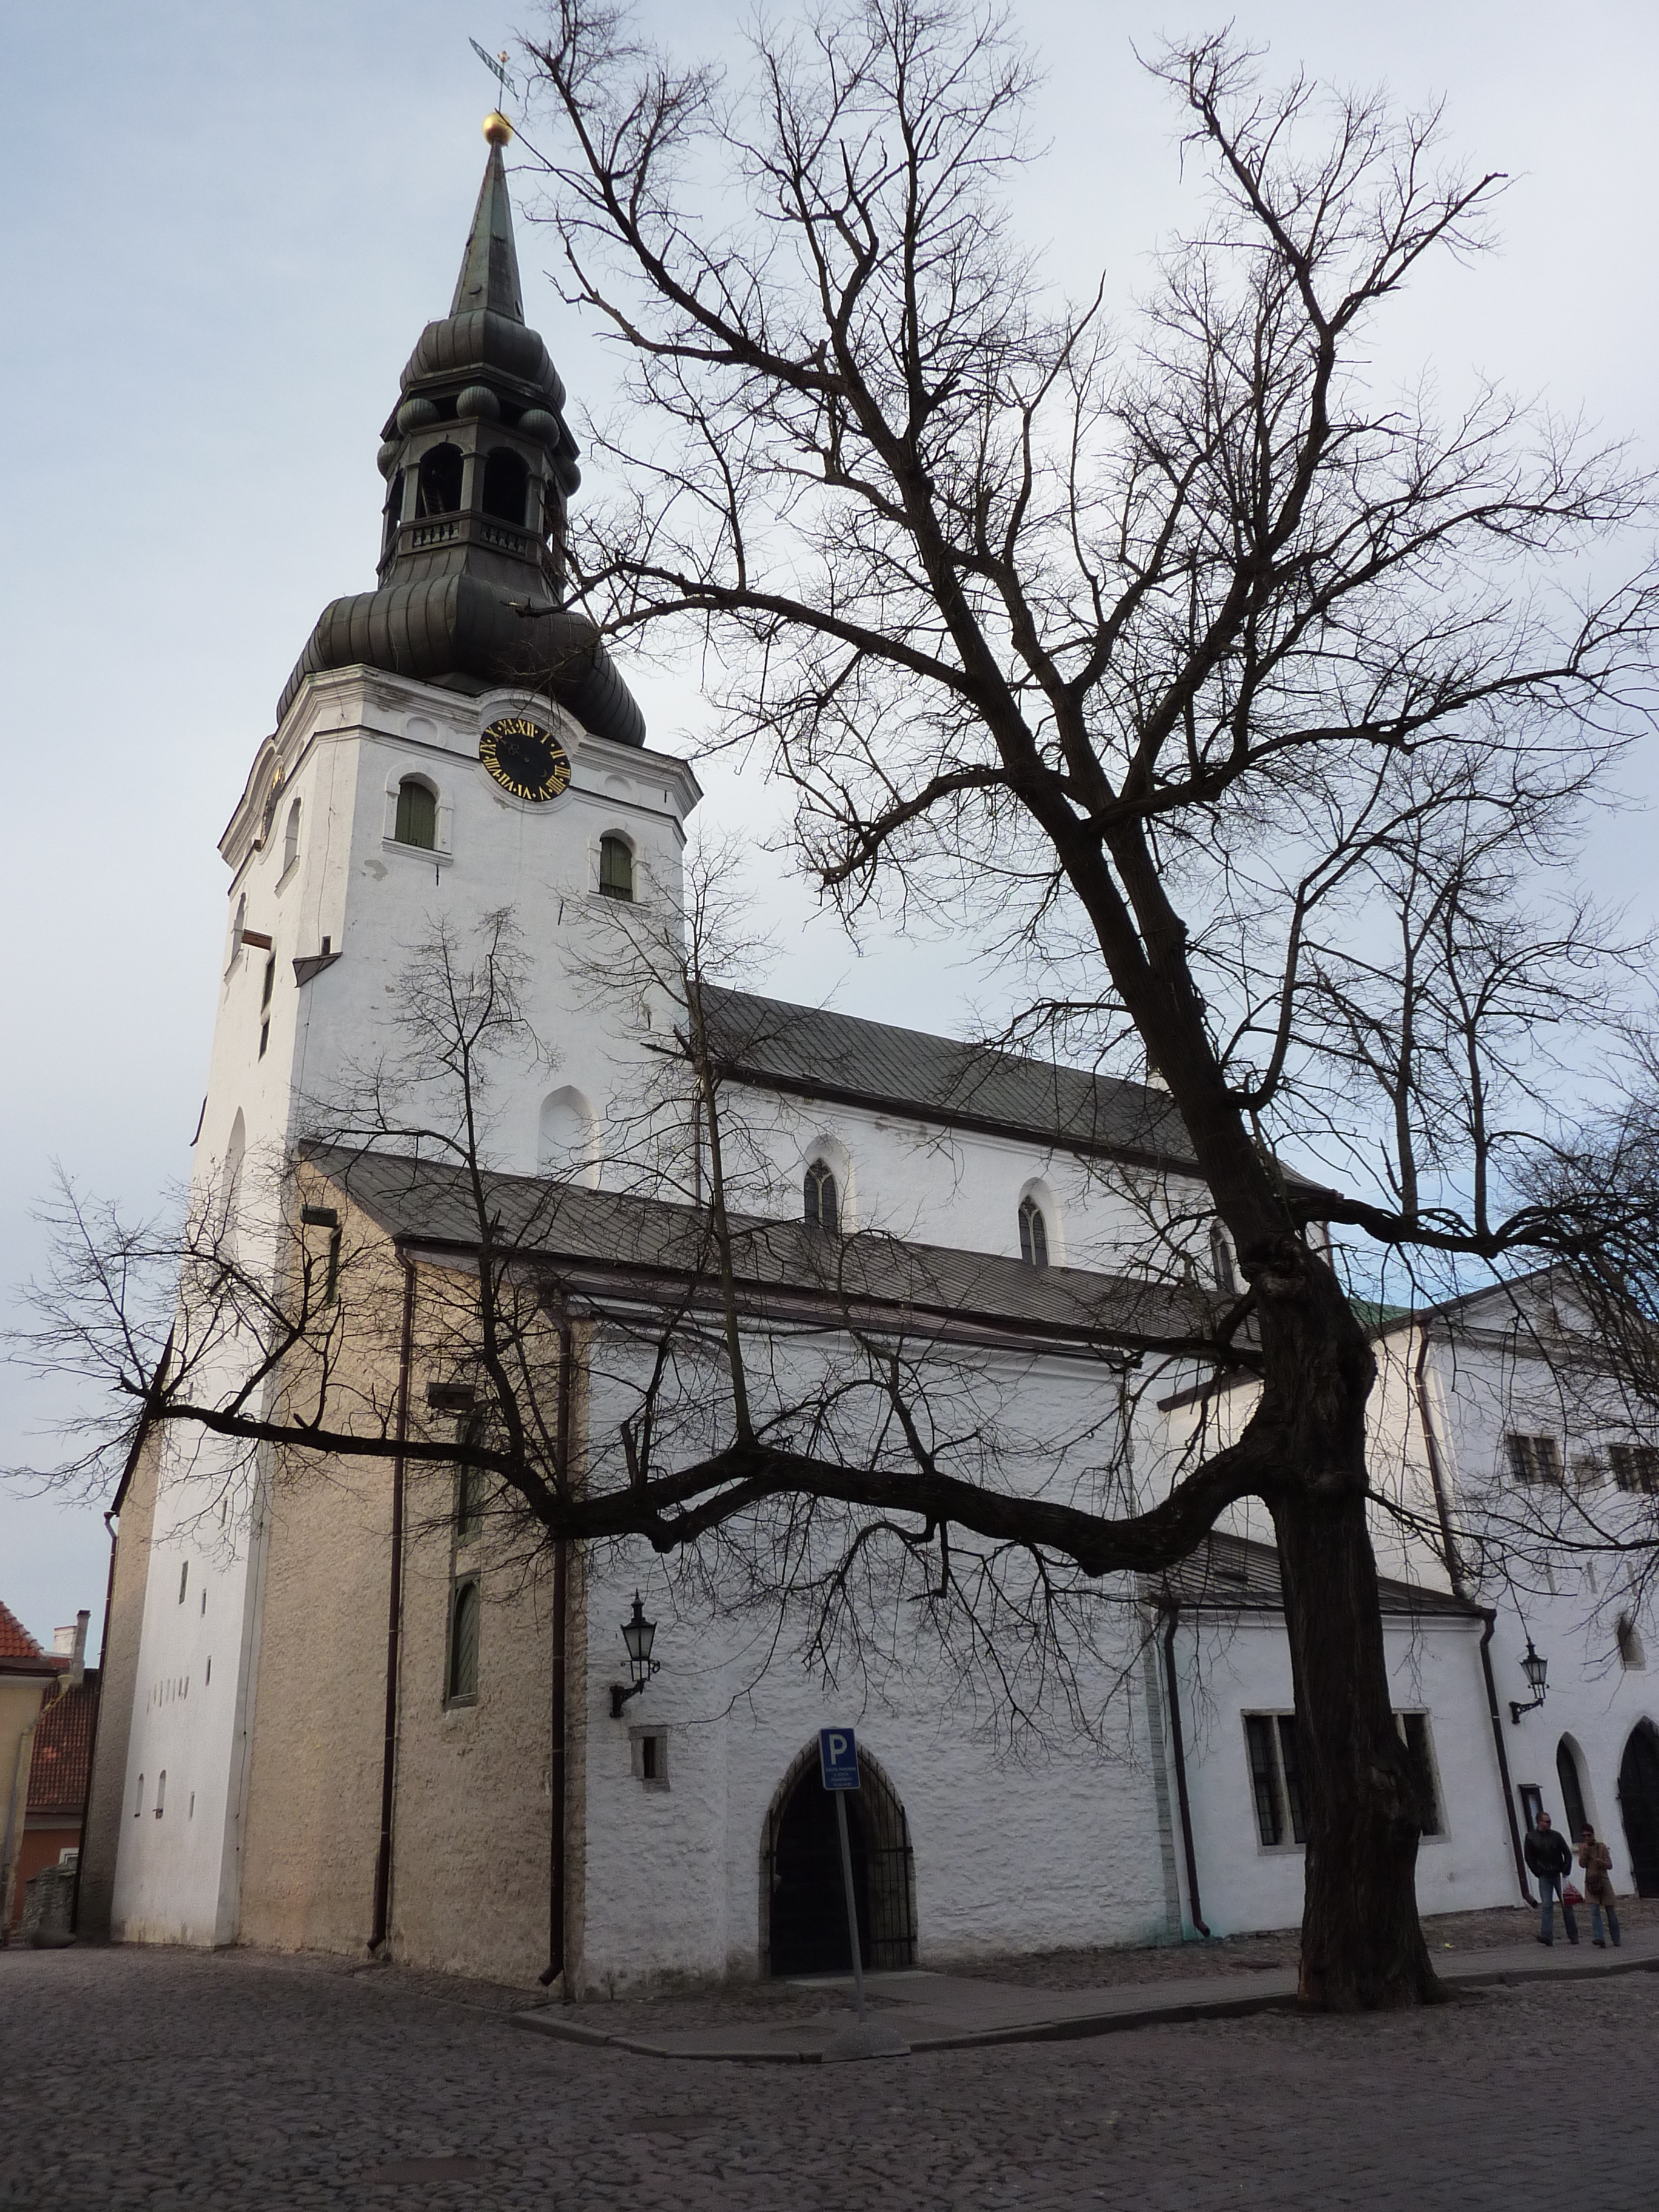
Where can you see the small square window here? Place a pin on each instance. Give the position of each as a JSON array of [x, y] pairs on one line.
[[1635, 1467], [1534, 1461], [649, 1748]]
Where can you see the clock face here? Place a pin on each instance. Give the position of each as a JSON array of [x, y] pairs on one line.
[[525, 758]]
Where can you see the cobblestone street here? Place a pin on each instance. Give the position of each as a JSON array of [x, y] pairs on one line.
[[160, 2078]]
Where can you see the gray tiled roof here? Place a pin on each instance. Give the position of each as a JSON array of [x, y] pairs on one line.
[[1230, 1574], [638, 1242], [818, 1055]]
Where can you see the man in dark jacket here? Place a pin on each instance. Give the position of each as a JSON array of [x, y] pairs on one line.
[[1550, 1857]]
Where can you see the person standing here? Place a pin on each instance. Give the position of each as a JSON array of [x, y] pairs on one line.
[[1598, 1861], [1550, 1857]]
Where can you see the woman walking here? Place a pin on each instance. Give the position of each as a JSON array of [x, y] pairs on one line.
[[1598, 1861]]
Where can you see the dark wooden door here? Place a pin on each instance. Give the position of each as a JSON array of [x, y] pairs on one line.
[[1638, 1801]]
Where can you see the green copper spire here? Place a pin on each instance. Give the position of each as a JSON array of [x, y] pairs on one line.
[[489, 267]]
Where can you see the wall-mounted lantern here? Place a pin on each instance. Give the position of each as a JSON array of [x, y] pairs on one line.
[[1535, 1669], [639, 1634]]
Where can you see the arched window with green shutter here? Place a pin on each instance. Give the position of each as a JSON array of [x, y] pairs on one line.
[[616, 868], [418, 815]]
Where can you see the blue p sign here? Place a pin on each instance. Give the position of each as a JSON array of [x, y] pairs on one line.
[[838, 1756]]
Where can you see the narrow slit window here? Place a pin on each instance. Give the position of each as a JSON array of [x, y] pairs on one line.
[[1033, 1234], [822, 1199], [616, 869], [160, 1793], [184, 1580], [469, 1485], [418, 815], [465, 1623], [291, 838], [1221, 1262], [1414, 1733], [1264, 1778]]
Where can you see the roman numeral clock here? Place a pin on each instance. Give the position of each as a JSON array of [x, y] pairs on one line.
[[525, 758]]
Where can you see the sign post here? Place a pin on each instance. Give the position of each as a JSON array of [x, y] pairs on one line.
[[838, 1760]]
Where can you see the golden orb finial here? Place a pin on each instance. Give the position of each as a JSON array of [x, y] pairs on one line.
[[496, 128]]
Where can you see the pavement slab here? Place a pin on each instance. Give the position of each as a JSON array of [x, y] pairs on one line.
[[931, 2012]]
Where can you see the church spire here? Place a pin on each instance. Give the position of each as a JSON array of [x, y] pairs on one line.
[[489, 267], [480, 464]]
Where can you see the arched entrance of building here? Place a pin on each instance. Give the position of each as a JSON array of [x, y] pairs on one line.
[[1638, 1801], [803, 1897]]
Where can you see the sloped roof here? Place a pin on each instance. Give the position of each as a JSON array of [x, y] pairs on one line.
[[636, 1242], [19, 1652], [63, 1750], [818, 1054], [1230, 1574]]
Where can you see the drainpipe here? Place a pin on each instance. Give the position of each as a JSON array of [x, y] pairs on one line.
[[1437, 1467], [394, 1618], [1490, 1620], [557, 1766], [1172, 1615]]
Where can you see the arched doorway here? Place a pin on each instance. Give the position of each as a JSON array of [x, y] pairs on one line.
[[803, 1897], [1638, 1800]]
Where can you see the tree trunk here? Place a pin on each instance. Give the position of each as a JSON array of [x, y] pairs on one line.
[[1361, 1945]]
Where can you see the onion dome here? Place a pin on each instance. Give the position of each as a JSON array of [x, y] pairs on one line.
[[480, 463]]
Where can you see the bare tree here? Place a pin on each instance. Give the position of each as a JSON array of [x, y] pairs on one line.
[[1240, 685], [1189, 640]]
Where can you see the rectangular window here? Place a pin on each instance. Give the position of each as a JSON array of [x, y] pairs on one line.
[[1414, 1735], [1532, 1804], [1635, 1467], [650, 1750], [1267, 1786], [1534, 1459], [1290, 1762]]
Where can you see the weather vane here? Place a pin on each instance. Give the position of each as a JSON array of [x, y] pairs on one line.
[[497, 65]]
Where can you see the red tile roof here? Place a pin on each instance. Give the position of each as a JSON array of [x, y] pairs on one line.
[[15, 1642], [19, 1652], [63, 1751]]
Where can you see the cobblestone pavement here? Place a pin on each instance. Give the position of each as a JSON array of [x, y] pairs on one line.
[[134, 2078]]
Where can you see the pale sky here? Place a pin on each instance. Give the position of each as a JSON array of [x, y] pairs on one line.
[[224, 228]]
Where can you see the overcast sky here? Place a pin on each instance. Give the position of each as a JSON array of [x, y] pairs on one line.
[[224, 226]]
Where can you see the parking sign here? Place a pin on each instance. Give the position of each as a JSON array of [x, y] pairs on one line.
[[838, 1756]]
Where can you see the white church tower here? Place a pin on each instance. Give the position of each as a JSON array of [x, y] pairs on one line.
[[454, 742]]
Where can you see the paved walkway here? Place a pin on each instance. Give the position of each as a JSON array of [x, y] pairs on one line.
[[153, 2081], [949, 2012]]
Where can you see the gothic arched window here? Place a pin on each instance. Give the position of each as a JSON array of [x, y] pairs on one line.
[[506, 486], [1221, 1260], [440, 488], [465, 1613], [616, 868], [822, 1205], [1033, 1234], [418, 815]]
